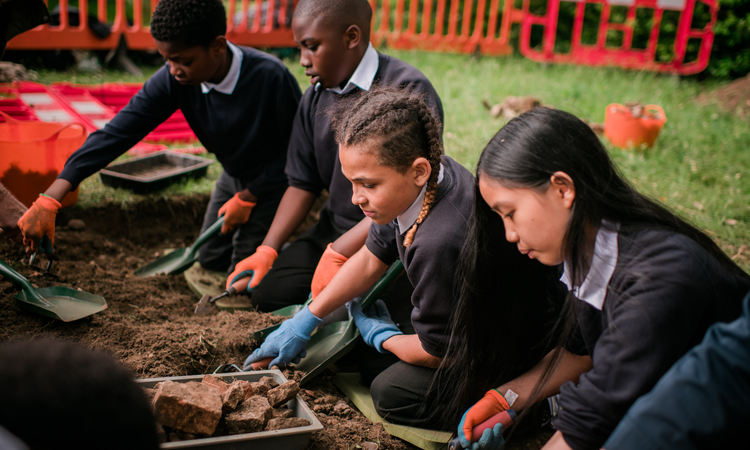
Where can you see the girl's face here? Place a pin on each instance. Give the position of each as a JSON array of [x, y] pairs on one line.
[[382, 192], [536, 221]]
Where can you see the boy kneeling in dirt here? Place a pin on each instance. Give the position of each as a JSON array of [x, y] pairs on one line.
[[240, 103]]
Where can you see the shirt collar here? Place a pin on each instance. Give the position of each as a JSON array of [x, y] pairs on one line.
[[407, 218], [363, 76], [593, 290], [229, 82]]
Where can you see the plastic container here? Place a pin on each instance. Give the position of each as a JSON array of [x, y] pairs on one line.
[[32, 155], [289, 439], [626, 131], [154, 172]]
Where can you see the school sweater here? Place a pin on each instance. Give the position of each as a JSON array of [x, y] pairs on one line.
[[248, 131], [313, 163], [663, 294], [431, 260], [701, 403]]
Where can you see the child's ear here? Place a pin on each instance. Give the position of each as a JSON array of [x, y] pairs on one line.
[[352, 37], [564, 188], [422, 170], [218, 45]]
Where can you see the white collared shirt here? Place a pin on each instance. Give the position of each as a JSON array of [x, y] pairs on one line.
[[407, 218], [363, 76], [593, 290], [229, 82]]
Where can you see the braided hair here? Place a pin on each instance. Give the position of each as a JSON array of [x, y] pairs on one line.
[[402, 128], [189, 22]]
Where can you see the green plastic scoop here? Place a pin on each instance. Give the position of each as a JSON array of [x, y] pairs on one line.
[[181, 259], [58, 302]]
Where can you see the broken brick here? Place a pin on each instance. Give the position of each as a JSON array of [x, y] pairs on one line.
[[215, 382], [190, 407], [232, 396], [282, 394], [252, 415], [279, 413], [264, 385], [290, 422]]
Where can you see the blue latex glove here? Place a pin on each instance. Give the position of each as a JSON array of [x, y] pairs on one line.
[[375, 324], [492, 438], [287, 343]]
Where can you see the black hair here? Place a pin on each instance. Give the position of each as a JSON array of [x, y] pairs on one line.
[[525, 153], [340, 14], [189, 22], [401, 128], [56, 394]]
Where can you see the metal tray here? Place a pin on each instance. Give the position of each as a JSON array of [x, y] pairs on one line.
[[154, 172], [288, 439]]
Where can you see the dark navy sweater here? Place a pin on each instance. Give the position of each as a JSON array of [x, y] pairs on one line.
[[248, 131], [664, 294], [313, 163]]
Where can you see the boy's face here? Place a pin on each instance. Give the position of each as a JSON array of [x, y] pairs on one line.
[[192, 66], [329, 58]]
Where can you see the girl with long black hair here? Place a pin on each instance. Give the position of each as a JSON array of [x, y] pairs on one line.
[[644, 285]]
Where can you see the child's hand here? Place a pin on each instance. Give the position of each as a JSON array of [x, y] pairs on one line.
[[328, 267], [236, 212], [39, 221], [375, 325], [256, 265], [287, 343], [492, 403]]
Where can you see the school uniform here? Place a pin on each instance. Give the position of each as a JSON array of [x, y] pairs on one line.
[[701, 403], [245, 120], [649, 297], [313, 165]]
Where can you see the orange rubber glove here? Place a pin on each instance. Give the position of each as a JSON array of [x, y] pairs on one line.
[[236, 212], [256, 265], [328, 266], [39, 221], [492, 403]]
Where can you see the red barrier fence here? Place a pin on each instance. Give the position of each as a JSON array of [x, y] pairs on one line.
[[463, 26]]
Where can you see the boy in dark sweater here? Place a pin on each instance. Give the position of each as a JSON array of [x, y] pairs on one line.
[[334, 37], [240, 103]]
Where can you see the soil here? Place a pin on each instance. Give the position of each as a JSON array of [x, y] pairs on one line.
[[733, 98], [150, 325]]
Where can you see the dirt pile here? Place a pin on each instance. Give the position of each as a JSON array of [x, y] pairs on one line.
[[733, 98]]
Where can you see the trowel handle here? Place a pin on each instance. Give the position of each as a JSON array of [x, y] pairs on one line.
[[31, 293], [212, 231], [262, 364], [239, 286], [504, 417]]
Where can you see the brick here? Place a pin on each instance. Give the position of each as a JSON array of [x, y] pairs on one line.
[[264, 385], [251, 416], [190, 407], [232, 396], [215, 382], [282, 413], [282, 394], [282, 423]]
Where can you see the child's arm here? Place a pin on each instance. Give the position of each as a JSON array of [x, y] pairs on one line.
[[409, 349], [292, 210], [337, 253]]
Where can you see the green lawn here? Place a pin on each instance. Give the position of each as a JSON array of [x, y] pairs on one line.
[[697, 167]]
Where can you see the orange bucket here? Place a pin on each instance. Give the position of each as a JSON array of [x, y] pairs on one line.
[[625, 131], [32, 155]]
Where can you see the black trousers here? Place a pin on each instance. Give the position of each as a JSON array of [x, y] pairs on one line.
[[288, 282], [224, 251]]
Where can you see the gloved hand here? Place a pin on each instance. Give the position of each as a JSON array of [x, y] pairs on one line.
[[287, 343], [236, 212], [256, 265], [375, 324], [39, 221], [492, 438], [328, 266], [492, 403]]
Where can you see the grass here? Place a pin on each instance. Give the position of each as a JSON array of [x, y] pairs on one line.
[[698, 167]]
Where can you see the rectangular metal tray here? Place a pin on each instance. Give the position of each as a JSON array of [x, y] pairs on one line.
[[154, 172], [288, 439]]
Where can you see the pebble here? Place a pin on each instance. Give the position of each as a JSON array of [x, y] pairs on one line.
[[76, 224]]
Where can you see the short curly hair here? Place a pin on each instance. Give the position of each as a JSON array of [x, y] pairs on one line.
[[189, 22]]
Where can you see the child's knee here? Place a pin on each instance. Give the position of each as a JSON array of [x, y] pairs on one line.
[[385, 396]]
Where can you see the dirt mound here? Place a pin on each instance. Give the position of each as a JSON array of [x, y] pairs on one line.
[[733, 98]]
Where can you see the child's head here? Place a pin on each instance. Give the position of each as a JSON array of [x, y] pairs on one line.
[[389, 147], [61, 395], [333, 36], [190, 34]]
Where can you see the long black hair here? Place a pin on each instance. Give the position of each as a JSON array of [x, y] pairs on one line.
[[525, 153]]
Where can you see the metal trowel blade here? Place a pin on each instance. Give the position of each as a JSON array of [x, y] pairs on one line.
[[204, 305]]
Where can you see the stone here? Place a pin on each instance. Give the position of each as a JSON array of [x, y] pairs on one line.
[[282, 394], [215, 382], [290, 422], [264, 385], [190, 407], [233, 395], [76, 224], [282, 413], [251, 416]]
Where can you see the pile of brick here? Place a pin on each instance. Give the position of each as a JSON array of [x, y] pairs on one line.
[[214, 407]]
